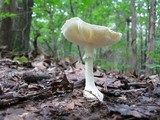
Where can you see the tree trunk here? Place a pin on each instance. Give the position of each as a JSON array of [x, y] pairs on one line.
[[142, 48], [53, 33], [5, 27], [151, 40], [14, 32], [145, 44], [128, 21], [133, 59]]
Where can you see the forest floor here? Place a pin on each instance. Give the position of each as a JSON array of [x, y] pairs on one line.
[[52, 90]]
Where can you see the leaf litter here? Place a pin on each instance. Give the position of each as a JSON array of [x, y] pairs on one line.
[[52, 90]]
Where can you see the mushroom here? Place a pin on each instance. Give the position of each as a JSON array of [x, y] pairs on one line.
[[90, 36]]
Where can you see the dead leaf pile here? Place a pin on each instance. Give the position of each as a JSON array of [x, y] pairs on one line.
[[52, 89]]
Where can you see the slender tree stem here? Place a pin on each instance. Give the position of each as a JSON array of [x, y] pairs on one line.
[[80, 55]]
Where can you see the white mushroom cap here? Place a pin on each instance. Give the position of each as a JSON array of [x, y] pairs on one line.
[[85, 34]]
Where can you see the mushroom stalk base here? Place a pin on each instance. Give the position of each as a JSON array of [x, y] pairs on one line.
[[90, 91]]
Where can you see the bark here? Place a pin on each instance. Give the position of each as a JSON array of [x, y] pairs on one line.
[[128, 24], [53, 33], [50, 11], [14, 32], [142, 49], [152, 12], [128, 21], [5, 27], [133, 59], [145, 43]]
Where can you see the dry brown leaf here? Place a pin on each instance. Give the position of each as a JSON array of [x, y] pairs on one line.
[[136, 114], [78, 102], [70, 106], [13, 117], [31, 108]]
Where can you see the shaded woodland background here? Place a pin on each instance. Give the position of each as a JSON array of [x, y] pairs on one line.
[[35, 25]]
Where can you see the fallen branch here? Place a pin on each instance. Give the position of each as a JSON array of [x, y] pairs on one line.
[[116, 93], [8, 102], [137, 84]]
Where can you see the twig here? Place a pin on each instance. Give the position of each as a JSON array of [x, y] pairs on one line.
[[116, 93], [132, 90], [137, 84], [92, 94], [15, 100]]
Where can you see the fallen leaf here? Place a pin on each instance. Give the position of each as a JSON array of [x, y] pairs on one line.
[[31, 108], [70, 106], [133, 110], [135, 114], [13, 117], [78, 102], [17, 111], [156, 91]]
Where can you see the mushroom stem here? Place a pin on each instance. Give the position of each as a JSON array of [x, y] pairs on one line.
[[90, 91], [88, 58]]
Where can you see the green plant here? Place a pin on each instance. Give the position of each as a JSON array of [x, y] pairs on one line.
[[22, 59]]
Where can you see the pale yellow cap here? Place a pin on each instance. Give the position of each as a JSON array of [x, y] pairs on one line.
[[85, 34]]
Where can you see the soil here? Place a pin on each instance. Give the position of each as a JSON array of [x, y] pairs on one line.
[[53, 90]]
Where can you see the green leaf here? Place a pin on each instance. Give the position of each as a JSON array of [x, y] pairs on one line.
[[5, 15], [22, 59], [7, 1], [88, 2], [153, 66]]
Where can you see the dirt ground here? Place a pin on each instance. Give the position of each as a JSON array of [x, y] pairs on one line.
[[52, 90]]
